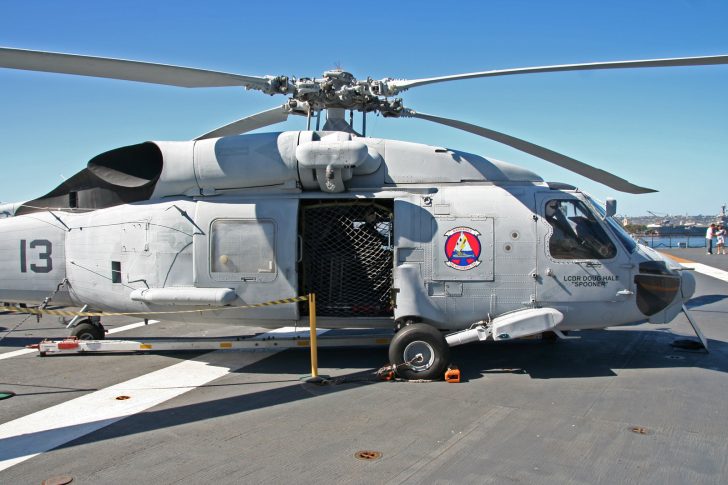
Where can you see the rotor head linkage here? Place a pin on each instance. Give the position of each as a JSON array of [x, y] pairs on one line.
[[337, 89]]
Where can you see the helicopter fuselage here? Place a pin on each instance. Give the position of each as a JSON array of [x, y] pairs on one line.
[[382, 231]]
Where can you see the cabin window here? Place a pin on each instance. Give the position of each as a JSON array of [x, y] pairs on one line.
[[242, 249], [576, 232], [116, 271]]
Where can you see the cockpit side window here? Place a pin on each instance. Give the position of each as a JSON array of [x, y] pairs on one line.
[[576, 232]]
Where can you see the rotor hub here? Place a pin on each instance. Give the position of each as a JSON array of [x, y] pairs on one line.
[[337, 89]]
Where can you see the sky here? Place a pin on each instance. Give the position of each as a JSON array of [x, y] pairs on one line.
[[664, 128]]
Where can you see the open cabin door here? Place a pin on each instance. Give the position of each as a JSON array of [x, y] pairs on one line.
[[250, 248], [347, 256]]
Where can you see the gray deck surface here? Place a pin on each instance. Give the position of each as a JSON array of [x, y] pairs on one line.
[[527, 411]]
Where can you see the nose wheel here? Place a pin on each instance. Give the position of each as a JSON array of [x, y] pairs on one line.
[[419, 351]]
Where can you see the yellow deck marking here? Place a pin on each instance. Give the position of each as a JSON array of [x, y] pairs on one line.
[[675, 258], [701, 268]]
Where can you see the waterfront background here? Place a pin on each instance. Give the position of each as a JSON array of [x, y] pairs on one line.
[[677, 241]]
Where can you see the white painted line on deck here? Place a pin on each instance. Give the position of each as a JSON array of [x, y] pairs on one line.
[[124, 328], [708, 270], [29, 436], [17, 353], [291, 332], [44, 430]]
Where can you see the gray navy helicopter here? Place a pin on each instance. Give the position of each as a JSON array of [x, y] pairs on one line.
[[442, 246]]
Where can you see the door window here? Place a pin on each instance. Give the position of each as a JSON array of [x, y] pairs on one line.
[[576, 233], [242, 249]]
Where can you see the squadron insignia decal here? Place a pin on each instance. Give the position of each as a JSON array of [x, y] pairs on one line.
[[462, 248]]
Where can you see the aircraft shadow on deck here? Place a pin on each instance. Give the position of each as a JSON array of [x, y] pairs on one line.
[[598, 353], [703, 300]]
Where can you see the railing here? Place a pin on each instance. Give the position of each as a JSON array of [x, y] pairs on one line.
[[670, 240]]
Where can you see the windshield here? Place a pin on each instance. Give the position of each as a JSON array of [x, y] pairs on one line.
[[576, 233], [617, 228]]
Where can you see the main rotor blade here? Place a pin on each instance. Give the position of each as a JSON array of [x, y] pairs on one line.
[[403, 84], [258, 120], [593, 173], [125, 70]]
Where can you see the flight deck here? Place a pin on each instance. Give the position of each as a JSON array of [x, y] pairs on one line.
[[611, 406]]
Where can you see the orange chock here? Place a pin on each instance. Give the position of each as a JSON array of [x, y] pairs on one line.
[[452, 374]]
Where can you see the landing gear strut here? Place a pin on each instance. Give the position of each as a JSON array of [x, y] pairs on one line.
[[89, 329], [419, 351]]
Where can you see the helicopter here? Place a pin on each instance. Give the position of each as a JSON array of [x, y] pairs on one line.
[[442, 246]]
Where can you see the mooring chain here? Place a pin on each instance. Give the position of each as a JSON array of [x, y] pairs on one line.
[[45, 303], [379, 374], [15, 327], [393, 367], [48, 298]]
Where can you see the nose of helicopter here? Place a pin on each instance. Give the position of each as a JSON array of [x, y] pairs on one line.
[[662, 289]]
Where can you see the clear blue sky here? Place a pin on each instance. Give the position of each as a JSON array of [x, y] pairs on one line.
[[664, 128]]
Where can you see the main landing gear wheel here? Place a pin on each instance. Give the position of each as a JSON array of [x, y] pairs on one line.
[[88, 331], [424, 347]]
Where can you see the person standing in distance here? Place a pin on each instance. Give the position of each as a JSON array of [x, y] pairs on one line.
[[720, 239], [709, 238]]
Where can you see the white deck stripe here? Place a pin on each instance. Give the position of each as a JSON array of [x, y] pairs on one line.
[[29, 436], [123, 328], [708, 270], [16, 353]]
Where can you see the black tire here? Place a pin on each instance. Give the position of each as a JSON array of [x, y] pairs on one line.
[[415, 339], [88, 331]]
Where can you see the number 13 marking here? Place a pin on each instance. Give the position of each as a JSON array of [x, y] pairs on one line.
[[43, 256]]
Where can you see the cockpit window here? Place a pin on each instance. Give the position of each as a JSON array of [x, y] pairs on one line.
[[576, 232], [629, 244], [627, 241]]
